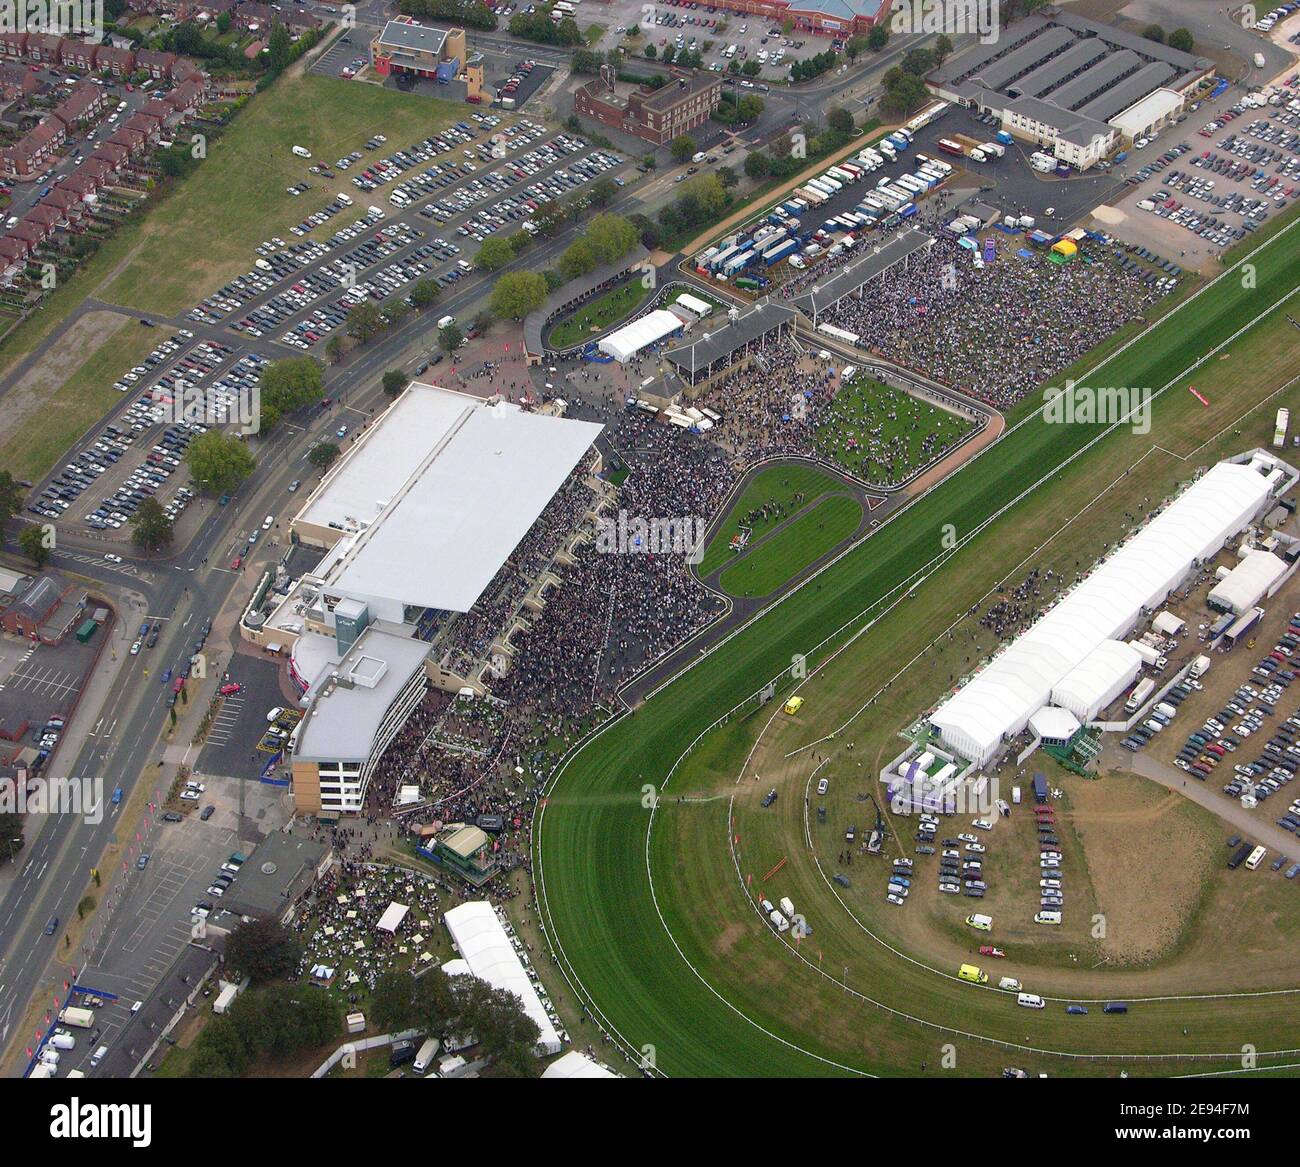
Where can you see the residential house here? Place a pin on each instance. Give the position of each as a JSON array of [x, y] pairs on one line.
[[77, 54], [119, 62], [159, 66], [41, 46]]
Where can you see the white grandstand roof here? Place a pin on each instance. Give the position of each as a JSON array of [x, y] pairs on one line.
[[440, 490], [485, 947], [1098, 679], [998, 703], [640, 334], [576, 1065], [1245, 584]]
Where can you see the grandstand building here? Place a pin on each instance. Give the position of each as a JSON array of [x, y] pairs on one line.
[[433, 539], [1079, 89], [716, 353], [1073, 658]]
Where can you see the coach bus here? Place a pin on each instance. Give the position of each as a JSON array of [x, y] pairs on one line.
[[1256, 858], [931, 113], [1280, 428], [949, 147]]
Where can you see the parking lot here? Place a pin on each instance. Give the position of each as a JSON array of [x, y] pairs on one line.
[[230, 749], [297, 293], [690, 26], [1222, 173]]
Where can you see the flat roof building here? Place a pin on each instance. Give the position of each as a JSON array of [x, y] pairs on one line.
[[1075, 87], [403, 46]]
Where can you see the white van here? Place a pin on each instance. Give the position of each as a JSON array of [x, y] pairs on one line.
[[62, 1039], [446, 322], [424, 1059], [980, 922], [302, 152], [779, 922], [98, 1056], [1010, 984], [1047, 917], [787, 906], [1031, 1001], [274, 713], [346, 200]]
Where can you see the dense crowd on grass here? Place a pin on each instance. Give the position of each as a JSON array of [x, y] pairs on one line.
[[786, 402], [997, 331]]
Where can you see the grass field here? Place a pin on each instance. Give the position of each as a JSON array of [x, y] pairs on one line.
[[598, 314], [806, 539], [882, 435], [777, 489], [54, 416], [655, 930]]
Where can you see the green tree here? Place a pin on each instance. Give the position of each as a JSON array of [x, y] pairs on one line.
[[682, 148], [516, 294], [449, 338], [1182, 40], [610, 237], [878, 37], [218, 461], [602, 192], [150, 526], [334, 346], [424, 293], [751, 68], [855, 47], [11, 497], [1153, 32], [942, 48], [279, 47], [364, 321], [394, 382], [11, 836], [493, 255], [224, 22], [651, 52], [35, 543], [286, 386], [322, 455], [840, 120], [757, 165], [578, 259], [263, 950]]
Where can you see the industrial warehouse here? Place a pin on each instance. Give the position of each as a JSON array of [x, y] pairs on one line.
[[1074, 658], [1079, 88]]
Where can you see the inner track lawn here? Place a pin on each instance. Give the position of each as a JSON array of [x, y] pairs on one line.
[[771, 495], [883, 435], [682, 965], [794, 547]]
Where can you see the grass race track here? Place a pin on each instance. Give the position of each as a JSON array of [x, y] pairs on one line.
[[794, 547], [632, 912]]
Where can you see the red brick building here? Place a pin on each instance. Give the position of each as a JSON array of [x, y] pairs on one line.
[[654, 115]]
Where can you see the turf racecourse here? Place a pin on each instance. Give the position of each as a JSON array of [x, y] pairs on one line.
[[621, 945]]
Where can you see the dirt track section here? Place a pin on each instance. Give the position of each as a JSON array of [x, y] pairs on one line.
[[47, 375], [968, 449]]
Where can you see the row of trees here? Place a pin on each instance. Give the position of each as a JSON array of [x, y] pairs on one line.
[[445, 1007], [465, 13], [783, 161], [539, 27]]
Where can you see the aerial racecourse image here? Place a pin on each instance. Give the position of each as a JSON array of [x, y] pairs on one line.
[[600, 538]]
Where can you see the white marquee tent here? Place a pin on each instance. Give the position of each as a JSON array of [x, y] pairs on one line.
[[576, 1065], [1243, 587], [1097, 680], [485, 947], [392, 918], [998, 703], [629, 340]]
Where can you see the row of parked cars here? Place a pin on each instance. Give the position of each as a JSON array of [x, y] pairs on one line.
[[961, 859], [1164, 712], [1051, 886], [341, 272], [392, 167], [220, 884]]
